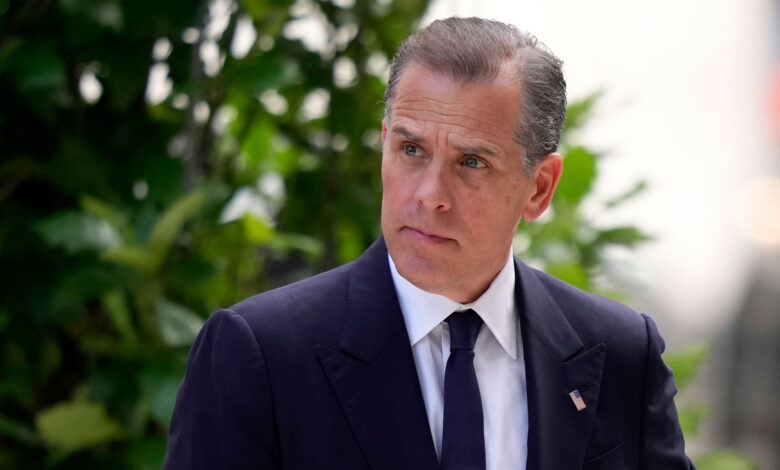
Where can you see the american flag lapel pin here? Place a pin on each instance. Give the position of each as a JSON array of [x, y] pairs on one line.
[[576, 398]]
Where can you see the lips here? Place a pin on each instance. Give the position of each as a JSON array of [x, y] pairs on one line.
[[427, 235]]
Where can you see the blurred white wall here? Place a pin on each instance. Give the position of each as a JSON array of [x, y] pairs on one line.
[[687, 107]]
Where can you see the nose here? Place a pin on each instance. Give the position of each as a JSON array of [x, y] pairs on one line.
[[434, 188]]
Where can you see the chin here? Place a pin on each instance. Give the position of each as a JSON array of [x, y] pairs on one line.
[[423, 273]]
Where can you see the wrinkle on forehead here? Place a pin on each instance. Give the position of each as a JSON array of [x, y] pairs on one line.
[[456, 113], [461, 123], [419, 100]]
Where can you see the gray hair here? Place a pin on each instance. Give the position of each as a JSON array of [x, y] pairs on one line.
[[477, 50]]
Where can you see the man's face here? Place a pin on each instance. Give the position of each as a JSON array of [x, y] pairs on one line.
[[454, 188]]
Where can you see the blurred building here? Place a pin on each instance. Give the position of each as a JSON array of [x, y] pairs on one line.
[[752, 367]]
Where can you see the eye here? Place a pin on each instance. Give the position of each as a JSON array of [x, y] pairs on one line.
[[411, 150], [473, 162]]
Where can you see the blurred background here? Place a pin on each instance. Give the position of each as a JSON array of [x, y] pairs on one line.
[[159, 160]]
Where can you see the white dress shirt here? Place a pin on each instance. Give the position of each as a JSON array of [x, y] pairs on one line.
[[498, 362]]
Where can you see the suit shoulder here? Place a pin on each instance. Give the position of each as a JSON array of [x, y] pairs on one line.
[[316, 288], [593, 314], [565, 292], [300, 305]]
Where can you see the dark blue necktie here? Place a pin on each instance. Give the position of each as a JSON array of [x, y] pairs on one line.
[[463, 438]]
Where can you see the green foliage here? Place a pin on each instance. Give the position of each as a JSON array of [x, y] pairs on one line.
[[74, 425], [685, 365], [691, 417], [568, 244], [129, 211], [578, 114], [580, 171], [76, 231], [178, 325], [724, 459]]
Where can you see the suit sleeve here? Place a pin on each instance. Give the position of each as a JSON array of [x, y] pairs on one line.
[[223, 418], [663, 447]]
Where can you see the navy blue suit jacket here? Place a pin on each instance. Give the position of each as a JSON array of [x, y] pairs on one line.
[[320, 374]]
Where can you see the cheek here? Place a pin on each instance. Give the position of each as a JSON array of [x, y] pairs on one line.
[[493, 215], [392, 188], [387, 175], [481, 214], [516, 196], [388, 182]]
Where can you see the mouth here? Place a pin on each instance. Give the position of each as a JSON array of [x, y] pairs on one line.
[[427, 235]]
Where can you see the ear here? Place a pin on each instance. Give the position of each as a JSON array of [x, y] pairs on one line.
[[384, 130], [544, 180]]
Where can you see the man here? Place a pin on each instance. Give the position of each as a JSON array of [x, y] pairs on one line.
[[437, 348]]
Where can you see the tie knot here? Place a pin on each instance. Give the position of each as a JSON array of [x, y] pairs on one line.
[[464, 329]]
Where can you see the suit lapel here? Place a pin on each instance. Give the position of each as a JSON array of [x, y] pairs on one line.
[[556, 363], [373, 373]]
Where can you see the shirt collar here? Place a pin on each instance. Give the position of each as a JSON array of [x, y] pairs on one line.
[[423, 310]]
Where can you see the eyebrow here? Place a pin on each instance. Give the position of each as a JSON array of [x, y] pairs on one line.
[[467, 150], [478, 150], [408, 134]]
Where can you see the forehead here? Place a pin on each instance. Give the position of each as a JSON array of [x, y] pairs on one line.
[[425, 98]]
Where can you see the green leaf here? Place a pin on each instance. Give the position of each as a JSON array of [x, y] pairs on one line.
[[686, 363], [724, 459], [107, 14], [160, 380], [171, 222], [284, 242], [257, 74], [572, 273], [81, 166], [256, 230], [77, 231], [145, 454], [614, 294], [178, 324], [18, 431], [75, 425], [578, 112], [117, 308], [104, 211], [579, 171], [163, 391], [257, 146], [37, 66], [349, 242], [638, 188], [691, 417], [132, 256], [627, 236], [71, 289]]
